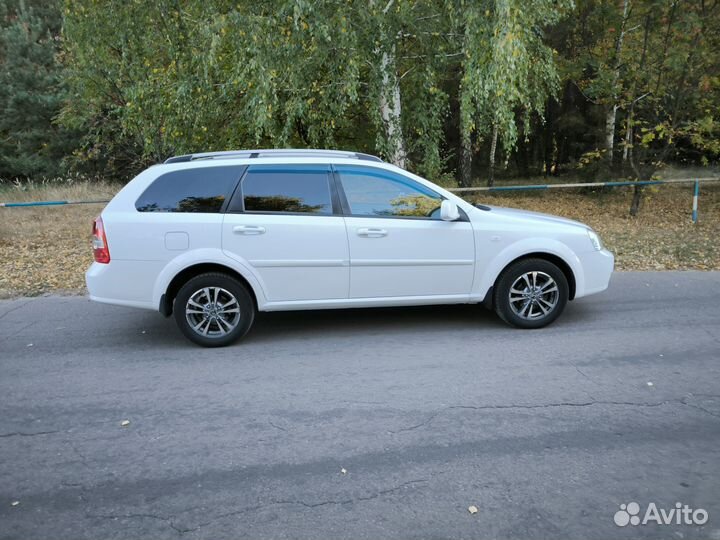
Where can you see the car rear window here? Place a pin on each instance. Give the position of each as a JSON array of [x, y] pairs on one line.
[[190, 190], [284, 189]]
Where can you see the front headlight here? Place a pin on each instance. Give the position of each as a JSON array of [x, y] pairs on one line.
[[594, 239]]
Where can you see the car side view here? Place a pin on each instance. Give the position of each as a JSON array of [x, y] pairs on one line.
[[213, 238]]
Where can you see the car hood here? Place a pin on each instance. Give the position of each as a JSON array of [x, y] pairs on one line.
[[533, 216]]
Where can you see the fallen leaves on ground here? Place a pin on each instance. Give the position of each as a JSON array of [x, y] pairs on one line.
[[45, 249]]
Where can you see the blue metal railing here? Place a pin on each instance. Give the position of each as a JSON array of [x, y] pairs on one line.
[[50, 203], [695, 181]]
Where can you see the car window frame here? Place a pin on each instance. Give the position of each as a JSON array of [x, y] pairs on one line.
[[347, 212], [241, 169], [332, 187]]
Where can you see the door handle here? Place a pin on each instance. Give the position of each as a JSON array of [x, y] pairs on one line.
[[248, 229], [370, 232]]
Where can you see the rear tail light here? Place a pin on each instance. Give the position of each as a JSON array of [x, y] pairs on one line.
[[101, 251]]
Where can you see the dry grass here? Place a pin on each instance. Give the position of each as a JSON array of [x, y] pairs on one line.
[[48, 248]]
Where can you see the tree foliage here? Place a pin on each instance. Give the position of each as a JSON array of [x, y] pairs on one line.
[[280, 73], [445, 87], [32, 90], [656, 64], [508, 69], [375, 76]]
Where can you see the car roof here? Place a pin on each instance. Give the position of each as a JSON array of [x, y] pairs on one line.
[[275, 153]]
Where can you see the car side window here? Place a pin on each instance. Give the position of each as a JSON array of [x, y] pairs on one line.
[[380, 193], [284, 189], [190, 190]]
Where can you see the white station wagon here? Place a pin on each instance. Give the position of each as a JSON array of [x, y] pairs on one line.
[[212, 238]]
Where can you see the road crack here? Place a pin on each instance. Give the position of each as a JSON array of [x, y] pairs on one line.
[[79, 454], [434, 415], [25, 434], [304, 504], [357, 499], [15, 309], [699, 408], [277, 427], [159, 517]]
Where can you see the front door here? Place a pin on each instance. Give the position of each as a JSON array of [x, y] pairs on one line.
[[281, 221], [399, 246]]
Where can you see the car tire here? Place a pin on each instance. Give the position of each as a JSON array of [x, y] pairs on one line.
[[530, 293], [214, 310]]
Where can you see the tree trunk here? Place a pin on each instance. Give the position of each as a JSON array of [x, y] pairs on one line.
[[547, 138], [493, 147], [637, 197], [566, 106], [390, 103], [391, 109], [628, 138], [627, 148], [522, 160], [466, 160], [628, 154], [610, 117], [611, 113]]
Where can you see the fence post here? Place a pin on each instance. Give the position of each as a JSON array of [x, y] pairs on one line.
[[696, 193]]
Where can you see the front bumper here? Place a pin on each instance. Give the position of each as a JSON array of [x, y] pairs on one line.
[[597, 269]]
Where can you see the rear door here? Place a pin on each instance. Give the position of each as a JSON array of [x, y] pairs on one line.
[[284, 221], [399, 246]]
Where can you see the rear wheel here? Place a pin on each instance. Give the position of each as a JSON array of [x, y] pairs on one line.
[[531, 293], [214, 310]]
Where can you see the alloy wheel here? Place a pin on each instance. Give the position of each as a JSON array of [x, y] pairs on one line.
[[533, 295], [212, 312]]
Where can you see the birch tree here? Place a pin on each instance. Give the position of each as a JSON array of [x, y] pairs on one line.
[[507, 70], [613, 105], [268, 73], [390, 102]]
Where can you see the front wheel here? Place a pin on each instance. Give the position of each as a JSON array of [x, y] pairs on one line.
[[531, 293], [214, 310]]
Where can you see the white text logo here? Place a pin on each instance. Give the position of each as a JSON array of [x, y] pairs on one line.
[[681, 514]]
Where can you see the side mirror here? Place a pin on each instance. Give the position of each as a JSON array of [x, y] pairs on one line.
[[449, 211]]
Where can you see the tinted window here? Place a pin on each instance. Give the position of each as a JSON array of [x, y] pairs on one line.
[[372, 192], [190, 190], [269, 188]]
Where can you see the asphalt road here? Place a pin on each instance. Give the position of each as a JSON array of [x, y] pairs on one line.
[[427, 410]]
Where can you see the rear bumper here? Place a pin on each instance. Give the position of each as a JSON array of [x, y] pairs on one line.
[[597, 269], [123, 283]]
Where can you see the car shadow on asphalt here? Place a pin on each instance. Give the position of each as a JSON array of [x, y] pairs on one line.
[[278, 327], [318, 324], [371, 321]]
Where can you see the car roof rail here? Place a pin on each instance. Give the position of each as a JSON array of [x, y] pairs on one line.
[[275, 152]]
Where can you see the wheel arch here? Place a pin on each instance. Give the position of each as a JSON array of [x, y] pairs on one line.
[[549, 257], [182, 277]]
